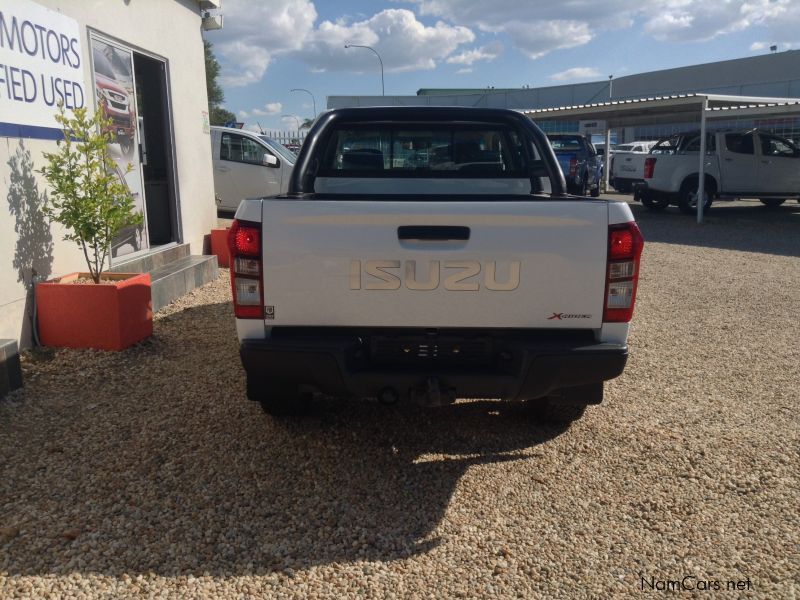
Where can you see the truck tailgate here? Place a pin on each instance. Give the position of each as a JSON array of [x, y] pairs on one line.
[[564, 160], [529, 263]]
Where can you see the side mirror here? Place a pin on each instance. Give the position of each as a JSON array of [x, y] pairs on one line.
[[269, 160]]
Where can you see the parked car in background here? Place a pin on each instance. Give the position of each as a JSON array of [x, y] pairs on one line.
[[627, 165], [600, 148], [247, 165], [294, 148], [741, 164], [579, 162]]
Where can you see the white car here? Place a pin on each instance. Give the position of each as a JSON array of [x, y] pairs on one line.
[[627, 164], [431, 253], [248, 165], [740, 164]]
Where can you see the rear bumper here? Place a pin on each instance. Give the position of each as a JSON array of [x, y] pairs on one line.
[[512, 369]]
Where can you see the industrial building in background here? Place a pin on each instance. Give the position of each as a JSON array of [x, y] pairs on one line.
[[774, 75]]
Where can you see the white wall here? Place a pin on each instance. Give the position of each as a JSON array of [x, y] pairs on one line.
[[169, 29]]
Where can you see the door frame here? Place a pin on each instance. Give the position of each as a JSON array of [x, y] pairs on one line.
[[176, 218]]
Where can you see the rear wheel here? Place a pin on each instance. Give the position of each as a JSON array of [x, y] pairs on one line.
[[654, 203], [580, 189], [688, 197], [772, 202], [553, 410], [279, 400], [623, 187], [125, 144]]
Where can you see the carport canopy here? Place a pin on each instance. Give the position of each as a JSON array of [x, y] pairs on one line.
[[666, 110]]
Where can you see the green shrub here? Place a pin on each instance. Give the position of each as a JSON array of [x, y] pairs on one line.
[[87, 196]]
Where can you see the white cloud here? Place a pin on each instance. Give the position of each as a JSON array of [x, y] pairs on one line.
[[487, 53], [538, 38], [403, 43], [466, 70], [243, 114], [575, 73], [270, 108], [290, 122], [540, 26], [255, 33]]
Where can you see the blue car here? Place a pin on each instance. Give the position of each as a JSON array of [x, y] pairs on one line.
[[579, 162]]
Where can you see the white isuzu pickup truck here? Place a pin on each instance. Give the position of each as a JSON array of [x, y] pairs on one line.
[[429, 254], [740, 164]]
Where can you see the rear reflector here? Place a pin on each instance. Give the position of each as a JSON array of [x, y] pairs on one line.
[[625, 244]]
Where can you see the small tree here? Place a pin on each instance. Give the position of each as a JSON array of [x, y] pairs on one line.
[[86, 194], [218, 115]]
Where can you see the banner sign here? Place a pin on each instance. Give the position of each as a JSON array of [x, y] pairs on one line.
[[41, 65]]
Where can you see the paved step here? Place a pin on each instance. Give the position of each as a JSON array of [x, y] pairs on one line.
[[171, 281], [10, 370], [155, 260]]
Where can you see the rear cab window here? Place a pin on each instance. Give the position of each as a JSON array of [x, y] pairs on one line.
[[425, 151], [569, 143]]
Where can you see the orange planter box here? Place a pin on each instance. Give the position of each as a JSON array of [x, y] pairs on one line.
[[103, 316], [219, 246]]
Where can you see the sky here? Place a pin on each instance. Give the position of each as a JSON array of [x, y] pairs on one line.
[[268, 47]]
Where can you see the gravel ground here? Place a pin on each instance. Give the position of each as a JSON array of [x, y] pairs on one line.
[[147, 472]]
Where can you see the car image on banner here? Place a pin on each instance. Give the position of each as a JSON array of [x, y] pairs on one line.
[[115, 94]]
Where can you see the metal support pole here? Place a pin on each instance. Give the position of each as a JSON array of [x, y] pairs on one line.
[[701, 174], [607, 159]]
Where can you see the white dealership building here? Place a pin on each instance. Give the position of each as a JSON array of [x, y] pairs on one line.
[[143, 61]]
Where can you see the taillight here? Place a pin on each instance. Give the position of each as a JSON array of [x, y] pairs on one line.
[[244, 242], [573, 167], [649, 167], [625, 244]]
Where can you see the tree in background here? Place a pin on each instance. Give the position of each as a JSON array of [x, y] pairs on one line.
[[216, 113]]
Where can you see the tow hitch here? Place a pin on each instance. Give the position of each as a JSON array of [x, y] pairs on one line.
[[431, 393]]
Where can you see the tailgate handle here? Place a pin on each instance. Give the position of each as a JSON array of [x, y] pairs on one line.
[[432, 232]]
